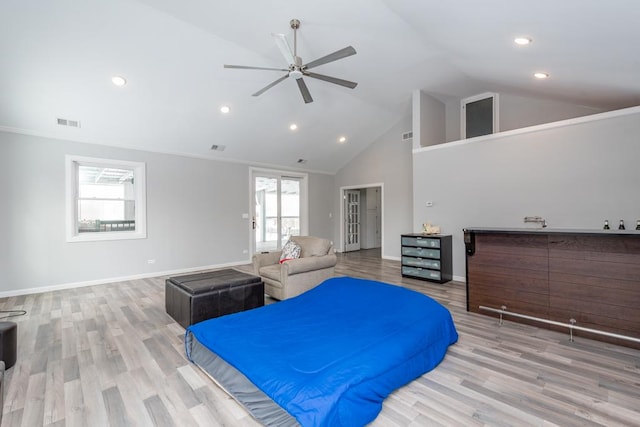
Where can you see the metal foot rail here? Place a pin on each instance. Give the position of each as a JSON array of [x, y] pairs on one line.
[[571, 325]]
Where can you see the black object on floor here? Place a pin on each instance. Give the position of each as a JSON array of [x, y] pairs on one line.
[[196, 297], [1, 389], [8, 343]]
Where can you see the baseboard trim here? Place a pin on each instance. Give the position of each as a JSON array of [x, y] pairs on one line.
[[72, 285], [460, 279]]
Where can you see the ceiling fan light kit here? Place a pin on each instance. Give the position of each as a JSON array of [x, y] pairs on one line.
[[297, 69]]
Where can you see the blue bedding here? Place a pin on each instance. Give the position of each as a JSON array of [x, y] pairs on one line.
[[330, 356]]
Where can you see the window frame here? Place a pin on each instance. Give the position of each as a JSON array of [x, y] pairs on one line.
[[495, 123], [72, 163]]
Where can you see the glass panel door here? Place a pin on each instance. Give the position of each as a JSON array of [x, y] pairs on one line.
[[290, 208], [352, 220], [277, 211], [266, 214]]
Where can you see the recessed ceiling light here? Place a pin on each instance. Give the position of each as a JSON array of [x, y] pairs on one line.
[[541, 75], [342, 139], [293, 126], [118, 80], [522, 41], [224, 109]]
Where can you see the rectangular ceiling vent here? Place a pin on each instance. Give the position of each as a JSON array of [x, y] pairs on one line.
[[68, 122], [407, 135], [216, 147]]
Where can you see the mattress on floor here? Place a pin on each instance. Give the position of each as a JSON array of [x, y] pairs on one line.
[[328, 357]]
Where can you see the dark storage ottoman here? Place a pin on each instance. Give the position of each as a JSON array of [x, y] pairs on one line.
[[196, 297]]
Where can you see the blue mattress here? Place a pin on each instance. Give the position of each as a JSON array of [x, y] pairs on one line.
[[330, 356]]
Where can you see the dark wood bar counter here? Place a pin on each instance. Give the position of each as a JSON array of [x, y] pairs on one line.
[[591, 276]]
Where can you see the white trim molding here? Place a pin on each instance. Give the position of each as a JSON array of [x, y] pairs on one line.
[[59, 287]]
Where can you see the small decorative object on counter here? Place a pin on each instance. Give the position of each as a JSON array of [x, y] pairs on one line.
[[638, 224], [427, 228], [606, 224], [621, 226]]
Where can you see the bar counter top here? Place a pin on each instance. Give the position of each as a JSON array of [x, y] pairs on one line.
[[547, 230]]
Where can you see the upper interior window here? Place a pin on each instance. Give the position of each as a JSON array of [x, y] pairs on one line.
[[105, 199], [479, 115]]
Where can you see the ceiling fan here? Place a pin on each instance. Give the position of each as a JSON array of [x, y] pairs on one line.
[[297, 69]]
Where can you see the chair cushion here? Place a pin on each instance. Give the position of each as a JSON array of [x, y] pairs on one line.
[[271, 272], [312, 246]]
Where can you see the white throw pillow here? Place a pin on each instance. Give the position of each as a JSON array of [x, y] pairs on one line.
[[290, 251]]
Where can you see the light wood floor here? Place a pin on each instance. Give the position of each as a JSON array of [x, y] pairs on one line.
[[110, 355]]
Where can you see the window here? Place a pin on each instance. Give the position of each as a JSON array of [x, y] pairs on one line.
[[479, 115], [105, 199]]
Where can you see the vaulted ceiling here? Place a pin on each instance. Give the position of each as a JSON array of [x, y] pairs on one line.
[[58, 58]]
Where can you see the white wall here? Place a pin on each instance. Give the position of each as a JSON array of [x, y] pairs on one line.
[[386, 161], [194, 214], [575, 174]]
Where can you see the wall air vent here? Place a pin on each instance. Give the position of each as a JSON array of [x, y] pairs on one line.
[[68, 122], [216, 147], [407, 135]]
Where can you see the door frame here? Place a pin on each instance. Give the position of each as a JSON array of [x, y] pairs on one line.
[[276, 173], [340, 247]]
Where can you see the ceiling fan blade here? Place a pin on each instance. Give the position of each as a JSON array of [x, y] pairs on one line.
[[304, 91], [338, 54], [283, 45], [269, 86], [247, 67], [341, 82]]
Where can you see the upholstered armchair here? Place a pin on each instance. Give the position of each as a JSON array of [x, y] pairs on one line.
[[294, 276]]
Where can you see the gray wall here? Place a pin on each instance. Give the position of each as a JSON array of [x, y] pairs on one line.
[[194, 216], [194, 219], [387, 161], [429, 120], [321, 215], [370, 212], [574, 175]]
